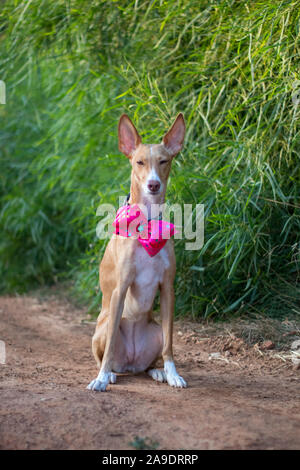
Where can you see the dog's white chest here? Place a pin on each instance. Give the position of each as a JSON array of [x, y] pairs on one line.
[[150, 270], [149, 274]]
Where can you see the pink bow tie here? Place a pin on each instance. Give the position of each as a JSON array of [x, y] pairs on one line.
[[153, 234]]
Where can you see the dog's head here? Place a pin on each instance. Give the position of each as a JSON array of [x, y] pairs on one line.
[[151, 164]]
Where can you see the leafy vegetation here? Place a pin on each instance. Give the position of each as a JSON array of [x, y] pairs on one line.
[[72, 67], [141, 443]]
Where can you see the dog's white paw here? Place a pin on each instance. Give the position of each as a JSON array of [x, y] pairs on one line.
[[97, 386], [176, 381], [100, 383], [158, 375], [173, 378]]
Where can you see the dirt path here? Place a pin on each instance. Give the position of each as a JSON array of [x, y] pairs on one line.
[[239, 399]]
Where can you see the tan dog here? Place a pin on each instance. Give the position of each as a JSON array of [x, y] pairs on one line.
[[126, 337]]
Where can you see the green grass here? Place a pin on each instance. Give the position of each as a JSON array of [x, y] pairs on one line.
[[143, 443], [72, 67]]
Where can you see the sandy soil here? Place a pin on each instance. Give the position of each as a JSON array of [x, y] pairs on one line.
[[239, 398]]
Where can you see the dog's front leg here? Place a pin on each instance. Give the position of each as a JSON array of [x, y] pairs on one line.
[[167, 300], [115, 314]]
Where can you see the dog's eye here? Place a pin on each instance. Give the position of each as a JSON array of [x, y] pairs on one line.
[[140, 162], [163, 161]]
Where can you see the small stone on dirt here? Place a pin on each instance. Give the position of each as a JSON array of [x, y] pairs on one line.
[[214, 355], [295, 345]]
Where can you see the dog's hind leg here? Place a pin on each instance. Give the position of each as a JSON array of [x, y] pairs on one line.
[[98, 346], [157, 374]]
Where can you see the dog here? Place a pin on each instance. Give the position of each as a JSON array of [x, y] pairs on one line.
[[127, 339]]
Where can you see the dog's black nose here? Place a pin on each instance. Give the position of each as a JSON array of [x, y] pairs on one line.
[[153, 186]]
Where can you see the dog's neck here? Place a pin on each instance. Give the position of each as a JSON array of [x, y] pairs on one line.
[[153, 203]]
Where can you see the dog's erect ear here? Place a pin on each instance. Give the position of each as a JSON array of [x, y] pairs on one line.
[[173, 140], [129, 138]]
